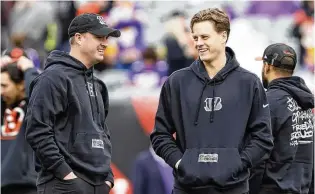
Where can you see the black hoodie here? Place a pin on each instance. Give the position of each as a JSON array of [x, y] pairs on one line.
[[66, 122], [216, 147], [17, 161], [290, 166]]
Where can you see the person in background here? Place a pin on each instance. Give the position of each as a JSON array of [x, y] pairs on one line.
[[151, 174], [17, 166], [303, 30], [66, 10], [179, 44], [129, 18], [34, 24], [148, 72], [290, 166]]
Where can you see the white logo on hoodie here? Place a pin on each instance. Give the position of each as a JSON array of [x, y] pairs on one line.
[[90, 87], [302, 124], [217, 104]]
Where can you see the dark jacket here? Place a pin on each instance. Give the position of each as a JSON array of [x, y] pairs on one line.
[[149, 175], [216, 147], [66, 122], [290, 166], [17, 162]]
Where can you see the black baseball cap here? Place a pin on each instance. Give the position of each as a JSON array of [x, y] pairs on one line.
[[275, 54], [92, 23]]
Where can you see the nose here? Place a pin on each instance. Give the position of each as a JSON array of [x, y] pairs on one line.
[[104, 41], [199, 42]]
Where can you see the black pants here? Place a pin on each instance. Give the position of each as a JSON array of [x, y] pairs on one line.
[[74, 186], [178, 191], [272, 191], [19, 189]]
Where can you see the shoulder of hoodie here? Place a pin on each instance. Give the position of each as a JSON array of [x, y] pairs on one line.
[[179, 74], [277, 100], [54, 74]]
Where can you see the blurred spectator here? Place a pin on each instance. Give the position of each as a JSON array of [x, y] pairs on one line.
[[66, 12], [304, 31], [151, 174], [148, 72], [125, 16], [16, 52], [17, 170], [178, 41], [6, 7], [97, 7], [33, 24], [272, 8]]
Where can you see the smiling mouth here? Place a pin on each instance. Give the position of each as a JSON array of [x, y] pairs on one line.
[[101, 50], [202, 50]]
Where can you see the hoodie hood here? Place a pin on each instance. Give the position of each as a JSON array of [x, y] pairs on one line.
[[63, 58], [231, 64], [297, 88], [199, 69]]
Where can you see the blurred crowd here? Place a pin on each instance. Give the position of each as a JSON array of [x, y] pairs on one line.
[[155, 42], [155, 36]]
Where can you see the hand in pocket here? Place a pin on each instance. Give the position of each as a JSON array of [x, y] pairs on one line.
[[70, 176]]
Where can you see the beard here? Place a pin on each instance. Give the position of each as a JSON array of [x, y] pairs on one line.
[[265, 82]]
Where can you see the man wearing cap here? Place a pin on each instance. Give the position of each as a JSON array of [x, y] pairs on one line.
[[66, 114], [290, 166]]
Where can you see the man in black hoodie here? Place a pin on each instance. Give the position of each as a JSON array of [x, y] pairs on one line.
[[290, 166], [219, 112], [67, 111]]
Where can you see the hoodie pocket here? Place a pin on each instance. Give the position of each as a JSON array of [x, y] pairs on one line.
[[94, 149], [205, 166]]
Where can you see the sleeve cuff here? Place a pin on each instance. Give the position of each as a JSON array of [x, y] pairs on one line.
[[110, 178], [246, 162], [173, 158], [62, 170]]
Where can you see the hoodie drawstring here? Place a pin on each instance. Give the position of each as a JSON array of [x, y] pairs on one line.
[[94, 91], [97, 107], [212, 103], [200, 99]]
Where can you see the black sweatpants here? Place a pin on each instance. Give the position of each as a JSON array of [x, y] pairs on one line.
[[74, 186]]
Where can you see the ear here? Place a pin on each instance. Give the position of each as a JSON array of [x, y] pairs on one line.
[[21, 86], [267, 68], [78, 38], [224, 37]]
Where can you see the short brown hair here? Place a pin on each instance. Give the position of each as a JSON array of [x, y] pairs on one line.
[[219, 18]]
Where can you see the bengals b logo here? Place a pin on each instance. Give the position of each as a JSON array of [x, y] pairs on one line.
[[13, 120]]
